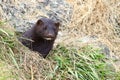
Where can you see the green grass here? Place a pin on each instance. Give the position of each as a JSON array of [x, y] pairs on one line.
[[7, 45], [85, 63]]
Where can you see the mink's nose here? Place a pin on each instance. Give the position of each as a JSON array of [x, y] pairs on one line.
[[50, 35]]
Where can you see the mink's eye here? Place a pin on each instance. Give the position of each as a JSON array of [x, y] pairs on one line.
[[45, 28], [54, 28], [57, 24]]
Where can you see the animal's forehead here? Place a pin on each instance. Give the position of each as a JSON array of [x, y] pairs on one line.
[[46, 20]]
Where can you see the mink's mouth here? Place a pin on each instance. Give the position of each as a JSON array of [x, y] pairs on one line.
[[48, 38]]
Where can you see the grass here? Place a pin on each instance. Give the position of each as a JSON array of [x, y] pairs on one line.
[[90, 17], [7, 44], [65, 63], [84, 64], [96, 17], [6, 71], [21, 62]]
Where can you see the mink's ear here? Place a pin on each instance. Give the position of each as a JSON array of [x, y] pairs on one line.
[[39, 22], [57, 24]]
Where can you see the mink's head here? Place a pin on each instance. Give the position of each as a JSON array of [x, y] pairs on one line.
[[46, 28]]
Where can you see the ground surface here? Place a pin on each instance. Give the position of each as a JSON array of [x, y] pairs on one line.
[[83, 22]]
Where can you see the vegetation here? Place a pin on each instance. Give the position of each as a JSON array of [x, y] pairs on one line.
[[5, 71], [66, 62], [84, 63]]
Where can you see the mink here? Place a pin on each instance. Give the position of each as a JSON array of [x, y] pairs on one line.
[[41, 36]]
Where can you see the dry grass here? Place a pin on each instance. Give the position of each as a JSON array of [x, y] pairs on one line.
[[22, 63], [99, 18], [90, 17]]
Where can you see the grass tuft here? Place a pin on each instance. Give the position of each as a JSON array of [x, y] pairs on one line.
[[86, 63]]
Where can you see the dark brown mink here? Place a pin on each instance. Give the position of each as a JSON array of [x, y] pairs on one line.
[[41, 36]]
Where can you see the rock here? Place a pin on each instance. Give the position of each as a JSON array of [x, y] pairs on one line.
[[93, 40], [105, 49], [24, 13]]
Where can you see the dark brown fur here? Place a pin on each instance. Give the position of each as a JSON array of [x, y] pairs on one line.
[[43, 35]]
